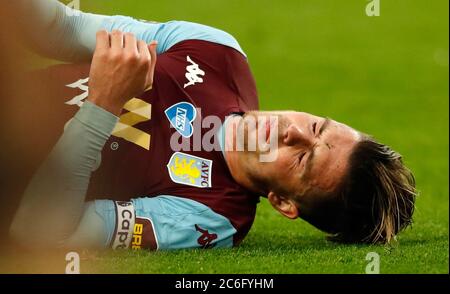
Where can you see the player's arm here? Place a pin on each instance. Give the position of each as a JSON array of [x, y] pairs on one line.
[[60, 32], [159, 223], [168, 222], [57, 31], [54, 201]]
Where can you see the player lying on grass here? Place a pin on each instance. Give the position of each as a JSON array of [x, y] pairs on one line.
[[120, 146]]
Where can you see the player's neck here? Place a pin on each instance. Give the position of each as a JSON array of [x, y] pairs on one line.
[[232, 156]]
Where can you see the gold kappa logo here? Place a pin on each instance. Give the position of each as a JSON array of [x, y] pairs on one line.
[[138, 111]]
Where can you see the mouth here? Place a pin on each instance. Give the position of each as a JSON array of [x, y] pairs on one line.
[[264, 127]]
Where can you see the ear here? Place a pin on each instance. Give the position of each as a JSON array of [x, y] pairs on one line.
[[285, 206]]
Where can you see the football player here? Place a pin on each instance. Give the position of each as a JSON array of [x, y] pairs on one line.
[[115, 179]]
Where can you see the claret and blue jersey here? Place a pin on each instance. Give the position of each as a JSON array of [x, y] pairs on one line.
[[156, 197]]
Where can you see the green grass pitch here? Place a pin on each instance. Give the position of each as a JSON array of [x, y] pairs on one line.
[[386, 75]]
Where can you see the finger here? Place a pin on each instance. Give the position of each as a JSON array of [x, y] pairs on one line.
[[145, 55], [130, 43], [116, 39], [102, 40], [152, 48], [143, 50]]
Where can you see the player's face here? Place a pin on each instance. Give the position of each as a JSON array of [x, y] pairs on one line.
[[312, 153]]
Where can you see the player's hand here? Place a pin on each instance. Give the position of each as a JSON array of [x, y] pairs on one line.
[[122, 68]]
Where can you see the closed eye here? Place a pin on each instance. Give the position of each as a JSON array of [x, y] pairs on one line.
[[314, 126], [301, 157]]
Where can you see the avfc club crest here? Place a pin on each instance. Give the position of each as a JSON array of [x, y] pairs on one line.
[[181, 116], [190, 170]]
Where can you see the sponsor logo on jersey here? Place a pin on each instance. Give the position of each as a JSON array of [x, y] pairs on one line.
[[190, 170], [124, 225], [181, 116], [193, 73], [144, 236], [138, 111], [206, 239]]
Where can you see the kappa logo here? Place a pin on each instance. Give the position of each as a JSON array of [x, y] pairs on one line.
[[190, 170], [206, 239], [193, 73], [138, 111], [181, 117], [79, 99]]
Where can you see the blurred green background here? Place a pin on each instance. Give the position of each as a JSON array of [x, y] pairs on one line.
[[386, 76]]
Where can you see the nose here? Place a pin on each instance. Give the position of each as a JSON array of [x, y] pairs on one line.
[[296, 136]]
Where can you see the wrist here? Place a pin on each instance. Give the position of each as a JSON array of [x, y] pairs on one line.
[[111, 105]]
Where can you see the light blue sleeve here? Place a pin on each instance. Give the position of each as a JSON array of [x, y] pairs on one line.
[[54, 200], [160, 223], [183, 223], [170, 33], [94, 230], [60, 32]]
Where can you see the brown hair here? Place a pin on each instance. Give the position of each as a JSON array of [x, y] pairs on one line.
[[375, 200]]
